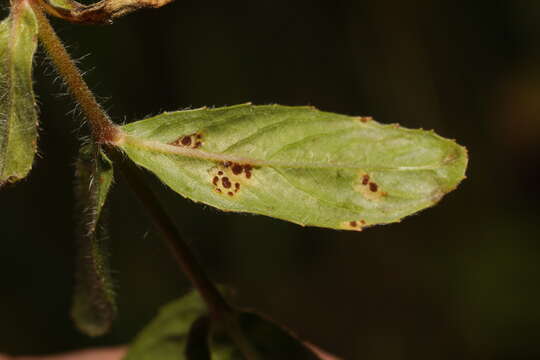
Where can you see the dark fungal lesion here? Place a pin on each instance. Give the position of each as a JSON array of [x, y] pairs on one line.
[[226, 182], [355, 225], [239, 169], [365, 179], [228, 178], [364, 119], [368, 187], [192, 141]]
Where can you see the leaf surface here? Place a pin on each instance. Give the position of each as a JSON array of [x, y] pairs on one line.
[[297, 163], [94, 305], [18, 115]]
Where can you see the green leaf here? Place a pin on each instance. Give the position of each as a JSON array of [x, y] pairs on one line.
[[297, 163], [166, 337], [18, 115], [94, 305], [183, 331]]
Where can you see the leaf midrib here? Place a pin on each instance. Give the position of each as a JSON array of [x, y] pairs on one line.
[[160, 147]]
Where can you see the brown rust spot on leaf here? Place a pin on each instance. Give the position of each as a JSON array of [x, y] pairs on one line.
[[355, 225], [368, 187], [186, 141], [450, 158], [364, 119], [226, 182], [228, 178], [192, 141], [237, 169], [365, 179]]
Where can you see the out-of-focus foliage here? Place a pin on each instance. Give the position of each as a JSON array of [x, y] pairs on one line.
[[183, 330]]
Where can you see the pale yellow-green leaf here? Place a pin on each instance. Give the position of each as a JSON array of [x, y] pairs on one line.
[[297, 163], [18, 115]]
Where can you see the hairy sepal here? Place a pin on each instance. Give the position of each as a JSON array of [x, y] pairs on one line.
[[94, 305]]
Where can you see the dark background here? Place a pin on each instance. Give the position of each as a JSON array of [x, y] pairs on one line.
[[458, 281]]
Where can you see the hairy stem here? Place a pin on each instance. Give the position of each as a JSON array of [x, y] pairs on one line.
[[103, 129], [166, 227], [219, 309], [101, 125], [105, 132]]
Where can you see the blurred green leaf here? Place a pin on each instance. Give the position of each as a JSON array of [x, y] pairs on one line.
[[166, 337], [94, 305], [18, 115], [182, 330], [297, 163]]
